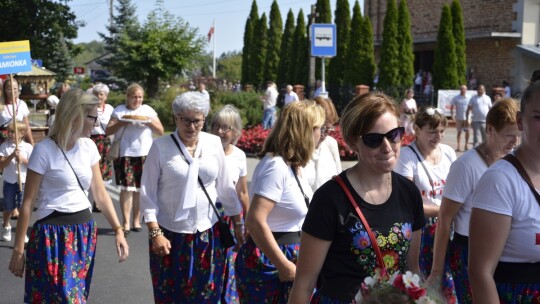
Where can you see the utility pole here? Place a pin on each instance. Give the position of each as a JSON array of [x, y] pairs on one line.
[[311, 85]]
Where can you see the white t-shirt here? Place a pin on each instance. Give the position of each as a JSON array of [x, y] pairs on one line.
[[236, 164], [410, 105], [59, 189], [11, 172], [460, 103], [137, 138], [6, 116], [409, 166], [290, 97], [270, 97], [274, 180], [480, 107], [461, 182], [104, 115], [324, 163], [502, 190]]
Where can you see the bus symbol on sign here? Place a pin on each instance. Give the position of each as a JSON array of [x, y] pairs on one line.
[[78, 70], [324, 37]]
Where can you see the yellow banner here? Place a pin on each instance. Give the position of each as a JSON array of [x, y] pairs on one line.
[[15, 47]]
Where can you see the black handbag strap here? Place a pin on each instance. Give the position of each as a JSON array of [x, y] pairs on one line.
[[425, 169], [519, 167], [200, 181], [69, 163], [306, 199]]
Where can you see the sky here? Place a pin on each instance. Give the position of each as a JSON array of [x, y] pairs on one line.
[[229, 15]]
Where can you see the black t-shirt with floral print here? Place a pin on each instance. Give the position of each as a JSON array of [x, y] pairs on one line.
[[351, 257]]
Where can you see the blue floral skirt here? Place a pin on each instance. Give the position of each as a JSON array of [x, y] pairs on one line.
[[192, 272], [230, 293], [459, 266], [257, 278], [516, 293], [426, 261], [59, 263]]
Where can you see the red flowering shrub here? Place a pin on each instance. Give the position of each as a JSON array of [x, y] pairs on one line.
[[252, 140]]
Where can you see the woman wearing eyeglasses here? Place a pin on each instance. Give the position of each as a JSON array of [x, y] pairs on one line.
[[182, 172], [227, 124], [502, 137], [135, 134], [325, 161], [336, 252], [427, 162], [62, 168]]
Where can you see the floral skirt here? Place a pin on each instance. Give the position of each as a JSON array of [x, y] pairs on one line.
[[128, 172], [459, 266], [257, 278], [426, 261], [230, 293], [103, 145], [516, 293], [59, 263], [319, 298], [192, 272]]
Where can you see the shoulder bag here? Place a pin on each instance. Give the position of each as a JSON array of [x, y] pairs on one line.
[[225, 235]]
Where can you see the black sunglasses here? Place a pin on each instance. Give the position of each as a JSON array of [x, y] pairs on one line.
[[375, 140]]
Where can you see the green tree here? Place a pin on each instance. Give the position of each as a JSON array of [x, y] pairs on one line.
[[337, 64], [324, 15], [299, 66], [367, 54], [389, 64], [247, 62], [49, 25], [444, 64], [459, 38], [124, 21], [405, 41], [162, 48], [274, 43], [89, 50], [285, 53], [360, 68], [228, 66], [258, 52]]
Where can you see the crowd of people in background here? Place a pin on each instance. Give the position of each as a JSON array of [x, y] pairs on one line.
[[306, 231]]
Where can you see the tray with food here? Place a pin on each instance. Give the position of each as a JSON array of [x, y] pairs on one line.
[[135, 118]]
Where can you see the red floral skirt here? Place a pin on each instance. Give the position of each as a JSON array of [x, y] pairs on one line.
[[103, 145], [128, 172]]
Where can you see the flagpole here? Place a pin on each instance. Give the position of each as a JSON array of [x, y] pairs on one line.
[[214, 52]]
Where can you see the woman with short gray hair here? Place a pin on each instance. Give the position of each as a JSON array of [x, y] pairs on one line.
[[181, 173]]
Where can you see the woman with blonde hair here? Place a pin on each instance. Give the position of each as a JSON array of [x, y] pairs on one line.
[[8, 112], [134, 123], [63, 239], [265, 264], [325, 161], [339, 249]]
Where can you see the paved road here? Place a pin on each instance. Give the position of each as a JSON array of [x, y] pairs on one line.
[[128, 282]]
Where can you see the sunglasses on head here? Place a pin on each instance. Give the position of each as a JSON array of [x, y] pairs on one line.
[[432, 111], [375, 140]]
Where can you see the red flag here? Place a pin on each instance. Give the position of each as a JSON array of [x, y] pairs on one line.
[[210, 33]]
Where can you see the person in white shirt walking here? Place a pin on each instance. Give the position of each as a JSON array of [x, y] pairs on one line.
[[460, 103], [290, 95], [479, 105], [269, 102]]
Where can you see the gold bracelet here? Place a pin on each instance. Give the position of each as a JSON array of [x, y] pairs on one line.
[[118, 228], [154, 232]]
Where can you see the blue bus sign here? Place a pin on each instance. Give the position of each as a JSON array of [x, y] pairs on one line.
[[15, 57], [323, 40]]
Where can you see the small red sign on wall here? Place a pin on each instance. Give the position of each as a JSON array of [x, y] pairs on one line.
[[78, 70]]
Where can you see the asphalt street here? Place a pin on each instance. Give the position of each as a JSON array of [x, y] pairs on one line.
[[113, 282]]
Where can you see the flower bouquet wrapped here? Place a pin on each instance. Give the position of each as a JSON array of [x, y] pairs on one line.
[[396, 289]]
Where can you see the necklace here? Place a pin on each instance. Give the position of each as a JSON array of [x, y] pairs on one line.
[[16, 108], [386, 196]]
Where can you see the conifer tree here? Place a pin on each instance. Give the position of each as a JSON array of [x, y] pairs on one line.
[[260, 45], [274, 43], [337, 65], [353, 68], [300, 64], [285, 54], [444, 63], [388, 64], [406, 53], [367, 53], [247, 62], [459, 38]]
